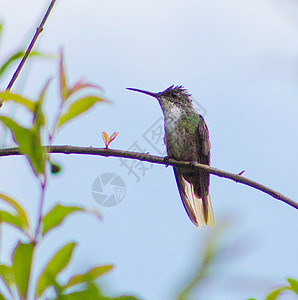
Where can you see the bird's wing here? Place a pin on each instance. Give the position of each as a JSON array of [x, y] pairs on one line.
[[203, 157], [203, 142]]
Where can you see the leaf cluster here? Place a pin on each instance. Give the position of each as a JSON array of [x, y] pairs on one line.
[[278, 292], [16, 277], [71, 106]]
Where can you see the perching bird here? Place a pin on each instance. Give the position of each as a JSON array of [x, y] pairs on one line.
[[187, 139]]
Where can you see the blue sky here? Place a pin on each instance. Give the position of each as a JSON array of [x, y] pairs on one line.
[[239, 61]]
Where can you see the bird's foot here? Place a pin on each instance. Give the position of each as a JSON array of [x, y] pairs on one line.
[[192, 163], [166, 160]]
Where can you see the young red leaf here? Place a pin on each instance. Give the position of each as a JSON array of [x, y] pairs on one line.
[[63, 87], [83, 85], [113, 136], [105, 138]]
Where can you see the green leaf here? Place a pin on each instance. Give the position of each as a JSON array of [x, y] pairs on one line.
[[38, 123], [2, 297], [125, 297], [90, 292], [29, 143], [6, 273], [57, 215], [77, 108], [8, 96], [58, 288], [34, 107], [22, 259], [63, 85], [39, 119], [6, 217], [38, 156], [58, 262], [1, 28], [274, 294], [89, 276], [21, 214], [11, 59], [294, 285], [17, 56]]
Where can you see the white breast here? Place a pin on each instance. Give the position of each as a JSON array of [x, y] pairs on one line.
[[172, 116]]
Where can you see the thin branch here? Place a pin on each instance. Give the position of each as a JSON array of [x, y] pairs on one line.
[[43, 183], [37, 33], [159, 160]]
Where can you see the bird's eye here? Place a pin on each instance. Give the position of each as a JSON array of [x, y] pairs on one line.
[[174, 95]]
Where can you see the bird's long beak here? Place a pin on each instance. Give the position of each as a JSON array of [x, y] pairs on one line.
[[144, 92]]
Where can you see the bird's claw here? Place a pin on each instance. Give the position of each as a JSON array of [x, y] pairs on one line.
[[166, 160], [192, 163]]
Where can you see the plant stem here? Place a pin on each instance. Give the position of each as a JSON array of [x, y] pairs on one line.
[[52, 133], [43, 184], [37, 33]]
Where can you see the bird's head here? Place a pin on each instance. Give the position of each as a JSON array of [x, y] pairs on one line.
[[173, 95]]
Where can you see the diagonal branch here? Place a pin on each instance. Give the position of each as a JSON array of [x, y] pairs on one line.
[[37, 33], [159, 160]]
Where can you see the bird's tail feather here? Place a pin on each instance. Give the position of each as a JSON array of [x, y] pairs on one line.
[[210, 216], [199, 209]]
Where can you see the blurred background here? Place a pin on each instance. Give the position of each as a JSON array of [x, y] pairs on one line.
[[239, 61]]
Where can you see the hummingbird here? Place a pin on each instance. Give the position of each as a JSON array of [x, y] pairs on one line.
[[187, 139]]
